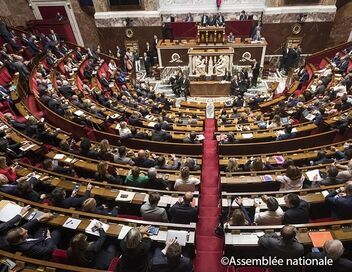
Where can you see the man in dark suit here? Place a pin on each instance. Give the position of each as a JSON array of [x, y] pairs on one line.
[[160, 135], [65, 89], [211, 20], [332, 249], [104, 82], [235, 86], [30, 42], [283, 247], [4, 32], [147, 63], [204, 20], [340, 201], [255, 72], [59, 198], [297, 210], [4, 227], [53, 36], [288, 58], [243, 16], [39, 244], [220, 19], [142, 160], [185, 86], [182, 212], [170, 259]]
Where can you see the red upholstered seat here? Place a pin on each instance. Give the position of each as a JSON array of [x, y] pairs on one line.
[[60, 256], [114, 263]]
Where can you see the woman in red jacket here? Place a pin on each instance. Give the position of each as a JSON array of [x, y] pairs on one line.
[[7, 171]]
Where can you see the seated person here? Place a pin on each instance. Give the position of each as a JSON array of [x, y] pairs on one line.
[[156, 181], [135, 178], [122, 156], [103, 174], [284, 246], [32, 242], [91, 254], [160, 135], [142, 159], [292, 180], [135, 249], [274, 214], [170, 259], [297, 210], [332, 249], [192, 139], [161, 163], [239, 216], [9, 172], [150, 210], [59, 199], [340, 201], [185, 178], [90, 205], [183, 212], [288, 134]]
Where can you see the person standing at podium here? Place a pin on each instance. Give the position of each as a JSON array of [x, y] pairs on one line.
[[204, 20], [189, 18], [220, 19], [211, 20]]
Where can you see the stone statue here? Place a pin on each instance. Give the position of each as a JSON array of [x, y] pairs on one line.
[[199, 67], [220, 66], [210, 66]]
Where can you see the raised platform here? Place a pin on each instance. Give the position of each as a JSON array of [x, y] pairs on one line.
[[209, 88]]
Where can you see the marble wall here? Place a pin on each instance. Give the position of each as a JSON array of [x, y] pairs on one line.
[[343, 24], [86, 24], [18, 12]]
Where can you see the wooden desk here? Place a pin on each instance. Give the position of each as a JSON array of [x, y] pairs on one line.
[[209, 88]]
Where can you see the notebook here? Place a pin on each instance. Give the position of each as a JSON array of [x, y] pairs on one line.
[[320, 237], [181, 236]]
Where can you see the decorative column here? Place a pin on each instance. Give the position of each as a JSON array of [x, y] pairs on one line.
[[101, 5]]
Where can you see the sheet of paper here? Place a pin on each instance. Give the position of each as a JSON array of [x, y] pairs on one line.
[[313, 175], [125, 196], [92, 224], [9, 211], [245, 239], [325, 193], [161, 236], [71, 223], [78, 113], [164, 200], [27, 147], [124, 230], [247, 135], [59, 156]]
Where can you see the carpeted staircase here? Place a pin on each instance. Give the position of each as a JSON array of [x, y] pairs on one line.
[[209, 248]]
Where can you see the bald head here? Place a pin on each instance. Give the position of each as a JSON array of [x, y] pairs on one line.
[[188, 197], [288, 233], [141, 153], [333, 249], [348, 187], [3, 179]]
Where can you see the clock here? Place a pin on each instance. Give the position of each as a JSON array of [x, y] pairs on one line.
[[296, 28], [129, 33]]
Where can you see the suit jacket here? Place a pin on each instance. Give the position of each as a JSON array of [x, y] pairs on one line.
[[340, 205], [299, 215], [275, 246], [220, 20], [153, 213], [39, 248], [182, 213], [204, 20], [243, 17], [74, 202], [185, 84], [339, 265], [159, 263]]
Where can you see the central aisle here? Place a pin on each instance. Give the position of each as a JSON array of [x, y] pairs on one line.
[[209, 248]]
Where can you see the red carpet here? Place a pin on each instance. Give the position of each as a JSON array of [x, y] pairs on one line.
[[209, 248]]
